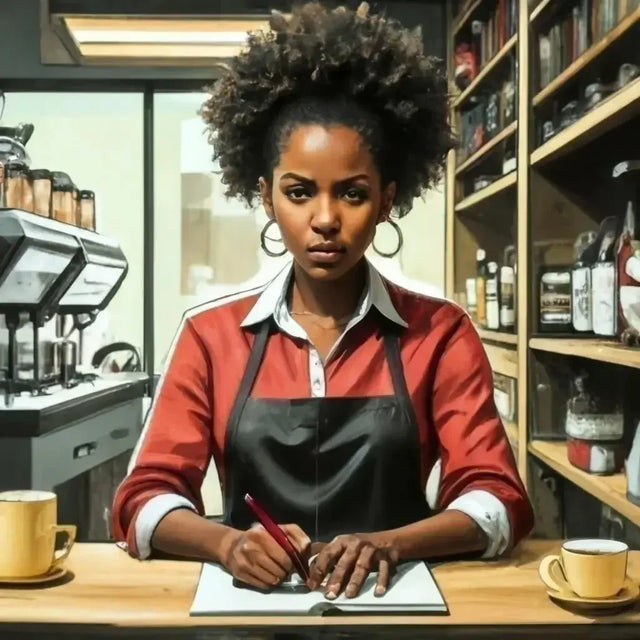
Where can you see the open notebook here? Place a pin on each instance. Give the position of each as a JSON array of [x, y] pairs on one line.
[[413, 590]]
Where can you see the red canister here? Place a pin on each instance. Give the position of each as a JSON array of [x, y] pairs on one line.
[[599, 457]]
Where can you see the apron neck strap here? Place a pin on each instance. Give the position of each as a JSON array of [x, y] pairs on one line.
[[251, 371]]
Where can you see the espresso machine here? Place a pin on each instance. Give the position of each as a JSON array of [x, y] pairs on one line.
[[48, 267]]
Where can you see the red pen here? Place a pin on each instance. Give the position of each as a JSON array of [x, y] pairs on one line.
[[278, 535]]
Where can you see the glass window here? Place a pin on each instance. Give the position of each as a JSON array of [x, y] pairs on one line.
[[206, 245], [97, 139]]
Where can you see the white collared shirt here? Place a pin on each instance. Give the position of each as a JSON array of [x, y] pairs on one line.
[[480, 505]]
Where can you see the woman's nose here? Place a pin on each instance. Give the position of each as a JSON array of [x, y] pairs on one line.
[[326, 215]]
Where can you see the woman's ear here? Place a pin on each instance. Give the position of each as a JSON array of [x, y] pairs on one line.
[[386, 201], [267, 199]]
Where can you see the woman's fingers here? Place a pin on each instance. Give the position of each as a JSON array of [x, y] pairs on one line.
[[299, 539], [343, 569], [385, 571], [325, 562], [261, 542], [360, 572]]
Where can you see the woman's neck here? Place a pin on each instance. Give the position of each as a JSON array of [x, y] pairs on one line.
[[332, 298]]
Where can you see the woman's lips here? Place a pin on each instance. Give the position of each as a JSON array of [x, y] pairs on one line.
[[326, 256]]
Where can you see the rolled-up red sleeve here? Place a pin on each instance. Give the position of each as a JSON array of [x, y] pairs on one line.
[[174, 449], [475, 451]]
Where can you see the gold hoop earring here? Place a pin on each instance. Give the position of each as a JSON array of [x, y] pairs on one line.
[[264, 238], [398, 231]]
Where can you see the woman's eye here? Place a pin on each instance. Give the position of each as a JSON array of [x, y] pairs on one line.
[[355, 194], [297, 193]]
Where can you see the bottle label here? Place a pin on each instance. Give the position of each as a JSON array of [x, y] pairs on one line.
[[555, 299], [481, 300], [470, 285], [581, 299], [493, 314], [603, 298], [507, 305]]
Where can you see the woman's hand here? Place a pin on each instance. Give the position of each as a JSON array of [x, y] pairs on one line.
[[349, 559], [254, 557]]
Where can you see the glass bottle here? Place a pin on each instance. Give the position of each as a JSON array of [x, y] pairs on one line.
[[62, 204], [41, 179], [493, 306], [15, 175], [87, 218], [481, 297]]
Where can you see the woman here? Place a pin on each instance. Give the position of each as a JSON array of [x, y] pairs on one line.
[[330, 393]]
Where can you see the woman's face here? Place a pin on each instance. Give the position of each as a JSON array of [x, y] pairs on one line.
[[327, 199]]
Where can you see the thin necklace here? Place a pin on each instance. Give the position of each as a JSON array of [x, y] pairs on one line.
[[341, 322]]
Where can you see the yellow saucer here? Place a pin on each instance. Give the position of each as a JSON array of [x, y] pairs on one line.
[[626, 595], [50, 576]]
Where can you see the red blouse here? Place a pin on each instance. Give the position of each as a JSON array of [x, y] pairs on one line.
[[448, 377]]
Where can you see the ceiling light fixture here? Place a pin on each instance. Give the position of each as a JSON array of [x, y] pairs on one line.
[[170, 41]]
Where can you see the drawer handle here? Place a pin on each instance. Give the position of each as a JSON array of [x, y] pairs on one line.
[[118, 434], [84, 450]]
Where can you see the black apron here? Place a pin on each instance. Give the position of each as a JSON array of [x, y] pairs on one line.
[[331, 465]]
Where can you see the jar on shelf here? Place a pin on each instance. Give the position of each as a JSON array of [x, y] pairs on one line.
[[87, 218], [27, 192], [595, 427], [41, 182], [76, 205], [15, 177], [62, 203]]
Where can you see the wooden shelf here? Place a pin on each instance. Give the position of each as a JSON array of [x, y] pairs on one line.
[[502, 359], [607, 115], [465, 16], [512, 432], [539, 9], [587, 57], [510, 44], [601, 350], [497, 336], [487, 147], [611, 490], [502, 184]]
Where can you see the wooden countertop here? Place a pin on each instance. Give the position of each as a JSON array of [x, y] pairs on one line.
[[110, 591]]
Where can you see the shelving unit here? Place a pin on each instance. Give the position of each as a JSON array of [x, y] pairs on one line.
[[610, 113], [471, 216], [487, 148], [554, 194], [506, 182], [542, 6], [600, 350], [499, 337], [486, 70], [591, 54], [611, 490], [503, 359], [512, 433]]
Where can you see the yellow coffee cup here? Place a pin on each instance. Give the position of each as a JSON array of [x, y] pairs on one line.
[[28, 527], [588, 567]]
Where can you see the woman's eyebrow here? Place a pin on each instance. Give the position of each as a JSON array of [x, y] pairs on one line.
[[300, 178], [296, 176]]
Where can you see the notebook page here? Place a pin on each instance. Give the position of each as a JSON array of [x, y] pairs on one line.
[[413, 587], [216, 595]]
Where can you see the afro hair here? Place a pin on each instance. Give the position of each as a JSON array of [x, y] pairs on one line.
[[397, 97]]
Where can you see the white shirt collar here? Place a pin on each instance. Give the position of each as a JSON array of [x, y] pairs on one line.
[[273, 302]]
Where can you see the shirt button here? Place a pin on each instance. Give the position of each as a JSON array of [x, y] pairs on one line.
[[316, 384]]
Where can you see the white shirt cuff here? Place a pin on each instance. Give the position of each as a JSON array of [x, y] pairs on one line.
[[151, 514], [490, 515]]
